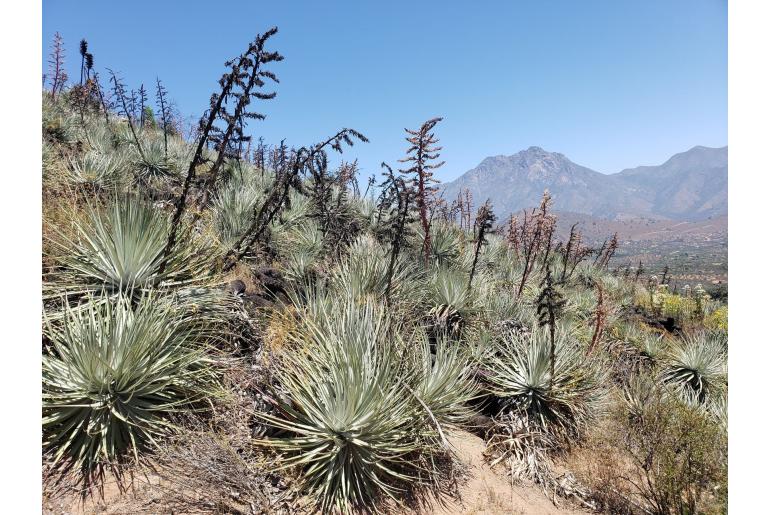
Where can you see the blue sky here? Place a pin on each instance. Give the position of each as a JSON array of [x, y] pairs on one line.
[[610, 84]]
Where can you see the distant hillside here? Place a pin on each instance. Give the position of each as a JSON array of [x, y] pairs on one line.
[[689, 186]]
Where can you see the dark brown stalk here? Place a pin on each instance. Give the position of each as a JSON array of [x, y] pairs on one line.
[[181, 201], [207, 128], [56, 64], [485, 218], [263, 216], [120, 93], [254, 58], [601, 315], [421, 152]]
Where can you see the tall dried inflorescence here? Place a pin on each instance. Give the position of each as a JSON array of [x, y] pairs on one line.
[[467, 205], [329, 203], [485, 219], [248, 77], [512, 235], [573, 253], [142, 100], [422, 153], [127, 108], [86, 61], [246, 73], [164, 110], [606, 252], [288, 168], [550, 304], [600, 317], [396, 198], [57, 74], [536, 237], [83, 52], [86, 95]]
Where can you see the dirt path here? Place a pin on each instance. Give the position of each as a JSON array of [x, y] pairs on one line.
[[489, 492], [483, 491]]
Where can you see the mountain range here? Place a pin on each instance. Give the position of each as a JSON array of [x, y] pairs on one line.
[[689, 186]]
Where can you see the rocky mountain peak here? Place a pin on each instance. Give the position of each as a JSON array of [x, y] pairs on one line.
[[689, 185]]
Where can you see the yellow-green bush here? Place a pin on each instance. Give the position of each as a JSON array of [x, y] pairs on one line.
[[717, 319]]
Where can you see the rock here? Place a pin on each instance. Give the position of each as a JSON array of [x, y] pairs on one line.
[[271, 280], [237, 287], [481, 423]]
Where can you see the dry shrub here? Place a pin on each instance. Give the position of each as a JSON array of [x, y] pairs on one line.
[[60, 209], [666, 458], [207, 471], [600, 465]]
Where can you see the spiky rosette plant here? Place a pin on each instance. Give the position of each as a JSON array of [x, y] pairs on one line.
[[638, 392], [446, 244], [539, 416], [364, 273], [153, 162], [97, 172], [445, 380], [452, 301], [352, 417], [302, 246], [119, 248], [519, 374], [505, 312], [113, 375], [697, 366], [231, 209], [60, 125]]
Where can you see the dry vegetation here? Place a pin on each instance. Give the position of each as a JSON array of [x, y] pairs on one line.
[[240, 329]]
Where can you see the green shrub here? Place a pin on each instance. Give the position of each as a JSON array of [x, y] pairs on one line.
[[679, 456]]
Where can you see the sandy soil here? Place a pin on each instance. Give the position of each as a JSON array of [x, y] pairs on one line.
[[487, 491], [482, 491]]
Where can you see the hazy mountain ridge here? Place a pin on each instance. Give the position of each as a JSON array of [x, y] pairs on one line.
[[691, 185]]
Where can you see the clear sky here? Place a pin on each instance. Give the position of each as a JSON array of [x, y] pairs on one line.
[[610, 84]]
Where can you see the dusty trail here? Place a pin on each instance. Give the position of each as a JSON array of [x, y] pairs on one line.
[[487, 491], [483, 491]]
